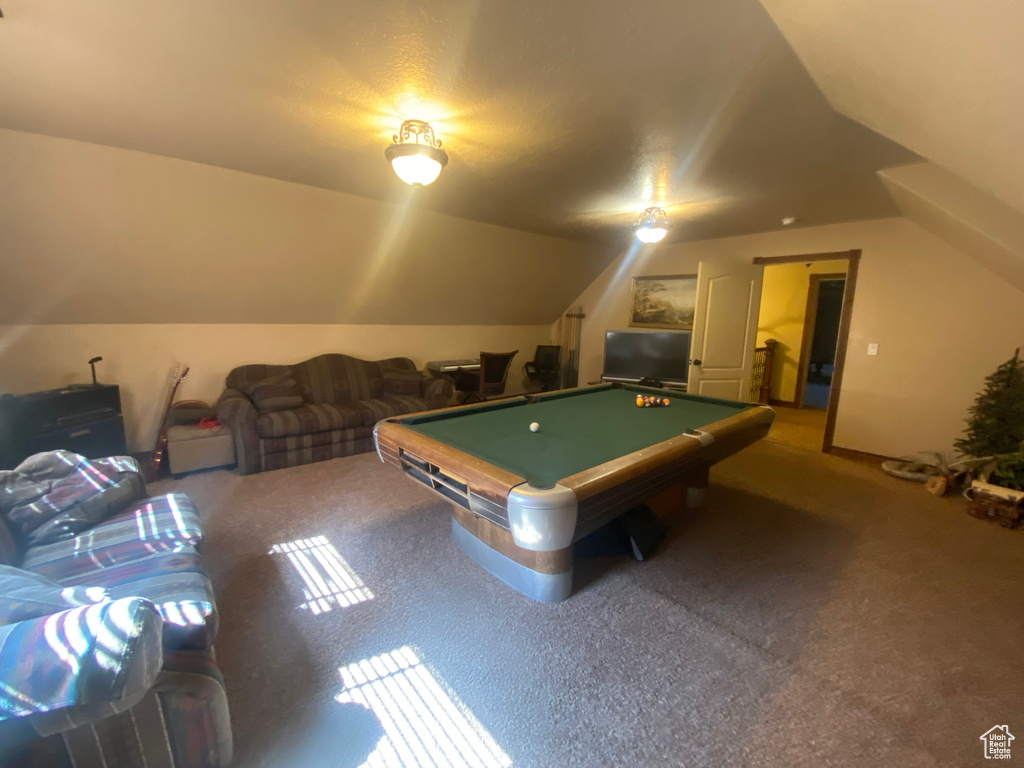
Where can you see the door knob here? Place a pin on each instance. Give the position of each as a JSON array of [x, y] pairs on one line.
[[695, 362]]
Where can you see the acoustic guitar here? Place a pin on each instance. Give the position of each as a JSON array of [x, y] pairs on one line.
[[160, 448]]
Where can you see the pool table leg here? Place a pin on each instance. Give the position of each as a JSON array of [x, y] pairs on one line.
[[697, 488], [540, 586]]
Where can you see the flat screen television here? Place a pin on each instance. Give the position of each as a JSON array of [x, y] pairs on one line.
[[632, 355]]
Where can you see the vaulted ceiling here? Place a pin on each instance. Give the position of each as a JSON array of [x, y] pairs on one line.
[[942, 77], [946, 79], [561, 118]]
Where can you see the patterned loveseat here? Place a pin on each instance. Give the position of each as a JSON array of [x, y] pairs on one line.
[[322, 408], [107, 622]]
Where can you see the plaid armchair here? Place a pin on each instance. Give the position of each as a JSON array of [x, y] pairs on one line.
[[322, 408], [107, 622]]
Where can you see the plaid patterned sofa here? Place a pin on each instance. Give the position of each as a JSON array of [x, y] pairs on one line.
[[107, 622], [322, 408]]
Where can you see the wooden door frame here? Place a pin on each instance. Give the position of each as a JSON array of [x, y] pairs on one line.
[[810, 323], [853, 262]]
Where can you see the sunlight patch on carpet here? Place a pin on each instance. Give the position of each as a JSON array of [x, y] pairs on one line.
[[424, 725], [329, 582]]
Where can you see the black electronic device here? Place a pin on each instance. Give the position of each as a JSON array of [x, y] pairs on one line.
[[663, 356], [83, 420]]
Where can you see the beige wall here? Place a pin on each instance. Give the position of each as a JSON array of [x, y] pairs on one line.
[[140, 358], [965, 217], [149, 261], [942, 324], [783, 316], [937, 76], [93, 234]]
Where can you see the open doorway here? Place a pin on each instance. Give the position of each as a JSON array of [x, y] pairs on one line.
[[820, 337], [804, 322]]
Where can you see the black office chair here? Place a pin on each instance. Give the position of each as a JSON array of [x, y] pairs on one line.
[[487, 382], [544, 368]]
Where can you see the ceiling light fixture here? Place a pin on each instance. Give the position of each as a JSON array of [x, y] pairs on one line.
[[416, 155], [789, 221], [651, 226]]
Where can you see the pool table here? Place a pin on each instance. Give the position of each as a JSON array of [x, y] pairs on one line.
[[523, 497]]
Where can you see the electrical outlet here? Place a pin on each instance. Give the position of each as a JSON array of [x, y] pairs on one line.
[[872, 349]]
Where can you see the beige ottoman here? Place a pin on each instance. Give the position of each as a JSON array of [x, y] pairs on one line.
[[192, 448]]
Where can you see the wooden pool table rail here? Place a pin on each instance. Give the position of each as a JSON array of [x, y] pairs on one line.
[[480, 491], [606, 490], [484, 487], [601, 491]]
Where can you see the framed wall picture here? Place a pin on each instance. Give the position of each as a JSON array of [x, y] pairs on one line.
[[663, 301]]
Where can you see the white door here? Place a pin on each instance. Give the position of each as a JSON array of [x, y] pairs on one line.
[[725, 329]]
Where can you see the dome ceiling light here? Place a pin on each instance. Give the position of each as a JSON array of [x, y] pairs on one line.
[[651, 226], [416, 155]]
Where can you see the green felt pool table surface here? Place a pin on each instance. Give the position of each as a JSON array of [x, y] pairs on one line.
[[578, 430]]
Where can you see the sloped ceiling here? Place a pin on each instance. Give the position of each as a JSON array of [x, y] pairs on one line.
[[93, 234], [561, 118], [942, 77], [976, 223], [946, 79]]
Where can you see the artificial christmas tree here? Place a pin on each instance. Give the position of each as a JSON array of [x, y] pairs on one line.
[[996, 423]]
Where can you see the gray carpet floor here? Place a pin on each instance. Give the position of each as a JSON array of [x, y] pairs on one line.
[[816, 613]]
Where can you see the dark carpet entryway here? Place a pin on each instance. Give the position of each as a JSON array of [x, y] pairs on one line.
[[816, 613]]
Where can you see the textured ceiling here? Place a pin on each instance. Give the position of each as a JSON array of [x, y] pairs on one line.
[[989, 231], [561, 118], [946, 79], [942, 77]]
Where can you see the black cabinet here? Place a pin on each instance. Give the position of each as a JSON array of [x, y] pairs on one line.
[[85, 420]]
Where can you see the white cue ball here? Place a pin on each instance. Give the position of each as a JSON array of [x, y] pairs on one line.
[[535, 427]]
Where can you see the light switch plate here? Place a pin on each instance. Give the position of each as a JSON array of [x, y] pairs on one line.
[[872, 349]]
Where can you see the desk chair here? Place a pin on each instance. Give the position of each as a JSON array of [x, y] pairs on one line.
[[489, 381], [544, 368]]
